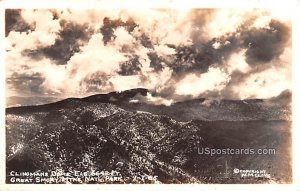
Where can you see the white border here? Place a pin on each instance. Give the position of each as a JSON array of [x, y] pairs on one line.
[[296, 94], [2, 98], [133, 4], [292, 5]]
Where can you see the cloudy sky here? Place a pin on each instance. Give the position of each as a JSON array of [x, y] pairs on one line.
[[178, 54]]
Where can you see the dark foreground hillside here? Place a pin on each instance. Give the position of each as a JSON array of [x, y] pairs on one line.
[[132, 146]]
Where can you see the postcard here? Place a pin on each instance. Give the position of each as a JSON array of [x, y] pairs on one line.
[[148, 96]]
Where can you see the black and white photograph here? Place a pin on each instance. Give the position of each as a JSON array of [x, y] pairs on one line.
[[148, 96]]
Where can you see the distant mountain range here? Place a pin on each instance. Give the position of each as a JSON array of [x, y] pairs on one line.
[[277, 108], [113, 132], [17, 101]]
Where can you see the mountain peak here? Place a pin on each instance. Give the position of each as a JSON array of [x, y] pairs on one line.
[[117, 96]]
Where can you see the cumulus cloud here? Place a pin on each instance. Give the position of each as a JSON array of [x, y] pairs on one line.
[[44, 32], [213, 80], [150, 99], [176, 54], [15, 22], [66, 44], [269, 83]]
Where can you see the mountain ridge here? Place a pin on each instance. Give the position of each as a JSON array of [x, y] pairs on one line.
[[200, 108]]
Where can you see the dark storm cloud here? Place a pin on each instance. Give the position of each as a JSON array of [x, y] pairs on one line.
[[198, 58], [26, 83], [130, 67], [266, 44], [155, 61], [192, 59], [107, 30], [262, 46], [70, 38], [15, 22], [145, 41]]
